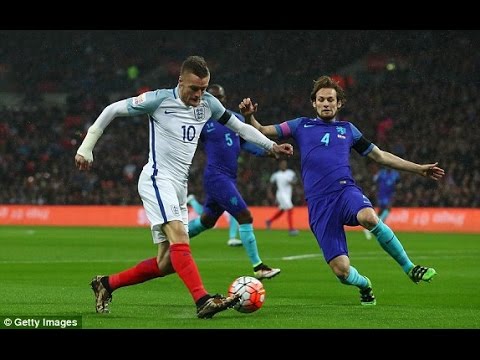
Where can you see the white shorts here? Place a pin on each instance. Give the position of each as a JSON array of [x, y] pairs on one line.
[[164, 200], [284, 201]]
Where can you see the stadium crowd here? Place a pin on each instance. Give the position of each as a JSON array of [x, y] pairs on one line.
[[413, 93]]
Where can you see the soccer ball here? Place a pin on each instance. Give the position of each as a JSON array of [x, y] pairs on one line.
[[251, 291]]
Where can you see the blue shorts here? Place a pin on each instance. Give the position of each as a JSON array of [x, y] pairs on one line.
[[329, 213], [222, 195]]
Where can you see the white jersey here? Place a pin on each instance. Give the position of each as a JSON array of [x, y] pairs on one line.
[[174, 129], [174, 132], [283, 179]]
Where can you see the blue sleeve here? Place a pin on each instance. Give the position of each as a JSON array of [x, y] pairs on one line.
[[253, 149], [356, 133], [287, 128], [359, 143]]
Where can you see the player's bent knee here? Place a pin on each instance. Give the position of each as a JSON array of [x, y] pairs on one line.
[[368, 218]]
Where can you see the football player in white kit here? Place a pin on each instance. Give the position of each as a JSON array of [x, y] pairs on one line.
[[175, 117], [284, 178]]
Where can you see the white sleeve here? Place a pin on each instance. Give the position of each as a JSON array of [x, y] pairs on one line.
[[112, 111], [249, 133]]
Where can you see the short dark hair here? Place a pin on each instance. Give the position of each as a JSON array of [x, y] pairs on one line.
[[219, 88], [326, 82], [195, 65]]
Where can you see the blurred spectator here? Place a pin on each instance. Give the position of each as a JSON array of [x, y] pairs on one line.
[[37, 139]]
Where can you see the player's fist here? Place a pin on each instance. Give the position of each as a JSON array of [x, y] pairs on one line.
[[285, 149], [82, 163]]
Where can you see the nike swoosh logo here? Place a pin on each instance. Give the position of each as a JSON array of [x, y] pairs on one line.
[[308, 125], [170, 112], [210, 129]]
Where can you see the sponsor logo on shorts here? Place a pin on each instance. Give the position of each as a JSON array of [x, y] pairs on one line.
[[175, 210]]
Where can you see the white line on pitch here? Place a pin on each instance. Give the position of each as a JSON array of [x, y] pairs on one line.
[[298, 257]]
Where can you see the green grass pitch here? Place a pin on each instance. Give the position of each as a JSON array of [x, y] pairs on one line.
[[45, 271]]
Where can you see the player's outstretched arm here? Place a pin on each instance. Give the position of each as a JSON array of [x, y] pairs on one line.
[[84, 156], [431, 171], [257, 150], [251, 134], [282, 149], [247, 109]]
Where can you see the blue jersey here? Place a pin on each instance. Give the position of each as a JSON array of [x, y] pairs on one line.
[[325, 152], [386, 180], [223, 147], [333, 198]]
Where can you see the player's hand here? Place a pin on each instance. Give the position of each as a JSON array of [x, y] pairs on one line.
[[247, 107], [285, 149], [432, 171], [82, 163]]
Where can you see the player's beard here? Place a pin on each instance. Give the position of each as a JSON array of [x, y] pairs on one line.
[[326, 116]]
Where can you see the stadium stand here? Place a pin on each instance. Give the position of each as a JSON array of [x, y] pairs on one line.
[[411, 92]]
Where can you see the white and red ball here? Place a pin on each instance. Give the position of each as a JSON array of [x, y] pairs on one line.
[[251, 291]]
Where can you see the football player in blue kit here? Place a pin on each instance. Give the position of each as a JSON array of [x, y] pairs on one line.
[[333, 198], [223, 147], [386, 181]]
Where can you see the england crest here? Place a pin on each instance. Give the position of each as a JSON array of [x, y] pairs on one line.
[[200, 113]]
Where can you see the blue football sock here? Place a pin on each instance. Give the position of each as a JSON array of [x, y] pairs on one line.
[[384, 214], [249, 243], [233, 227], [195, 227], [196, 206], [390, 243], [354, 278]]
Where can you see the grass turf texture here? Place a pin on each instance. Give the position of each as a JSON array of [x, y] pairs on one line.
[[47, 270]]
